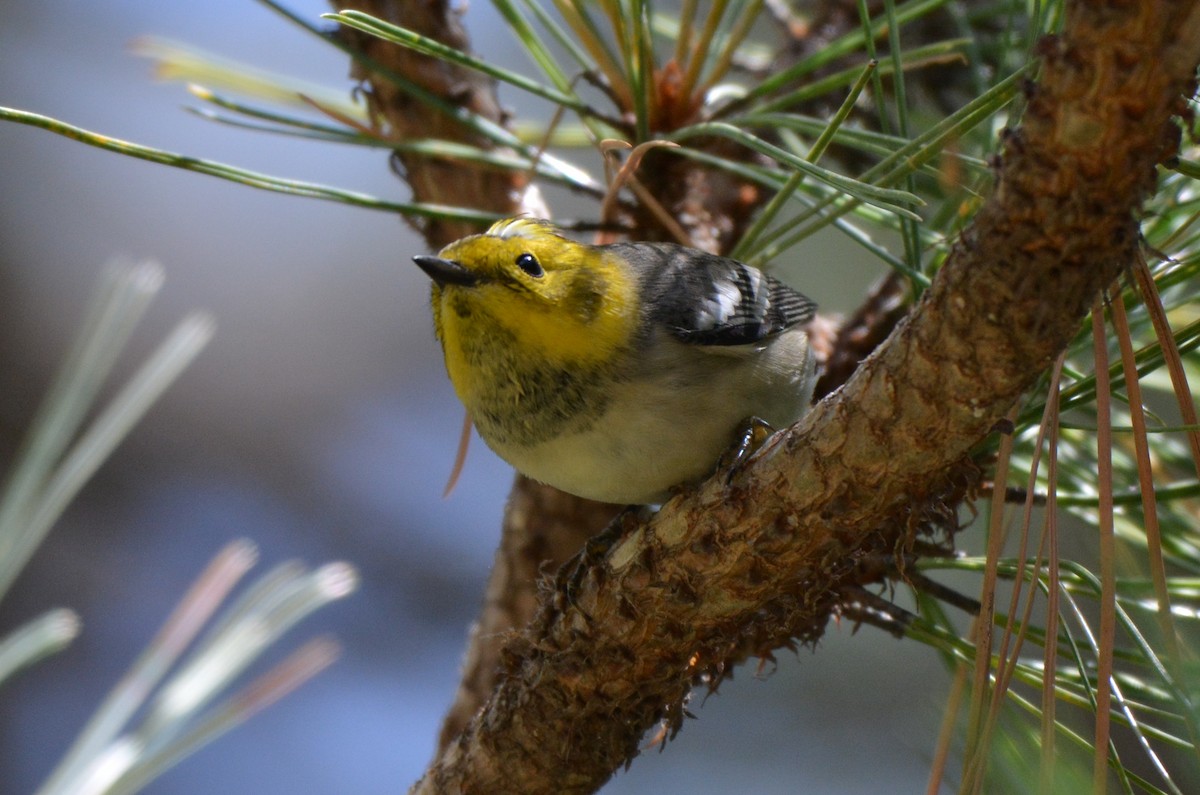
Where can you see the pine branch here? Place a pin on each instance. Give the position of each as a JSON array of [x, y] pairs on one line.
[[743, 567]]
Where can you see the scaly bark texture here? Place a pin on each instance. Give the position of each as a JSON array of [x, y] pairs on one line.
[[766, 555]]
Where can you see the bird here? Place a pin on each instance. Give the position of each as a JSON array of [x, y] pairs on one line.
[[619, 372]]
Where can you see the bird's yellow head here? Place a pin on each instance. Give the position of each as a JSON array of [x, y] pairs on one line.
[[560, 303]]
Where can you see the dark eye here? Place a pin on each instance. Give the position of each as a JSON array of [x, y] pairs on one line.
[[528, 263]]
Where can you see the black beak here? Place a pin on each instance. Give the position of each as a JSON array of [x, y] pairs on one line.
[[445, 271]]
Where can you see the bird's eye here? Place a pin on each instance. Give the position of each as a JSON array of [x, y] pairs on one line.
[[528, 263]]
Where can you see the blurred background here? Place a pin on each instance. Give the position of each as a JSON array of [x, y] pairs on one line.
[[320, 424]]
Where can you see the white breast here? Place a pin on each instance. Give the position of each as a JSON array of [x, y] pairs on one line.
[[669, 423]]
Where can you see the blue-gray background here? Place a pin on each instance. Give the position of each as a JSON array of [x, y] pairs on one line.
[[320, 424]]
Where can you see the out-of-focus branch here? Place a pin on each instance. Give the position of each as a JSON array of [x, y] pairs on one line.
[[403, 117], [764, 557]]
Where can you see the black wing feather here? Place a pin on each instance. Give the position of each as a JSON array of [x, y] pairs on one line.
[[740, 304]]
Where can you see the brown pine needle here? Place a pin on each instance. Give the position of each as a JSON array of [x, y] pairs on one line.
[[300, 666], [1108, 553], [625, 172], [1006, 664], [460, 456], [1050, 544], [342, 118], [948, 730], [978, 724], [1137, 417], [1166, 340], [659, 212]]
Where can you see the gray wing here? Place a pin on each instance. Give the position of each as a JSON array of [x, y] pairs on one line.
[[741, 305]]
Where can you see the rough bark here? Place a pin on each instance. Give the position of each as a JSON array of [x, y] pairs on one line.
[[764, 557]]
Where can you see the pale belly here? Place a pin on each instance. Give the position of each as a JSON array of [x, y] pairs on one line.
[[670, 429]]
